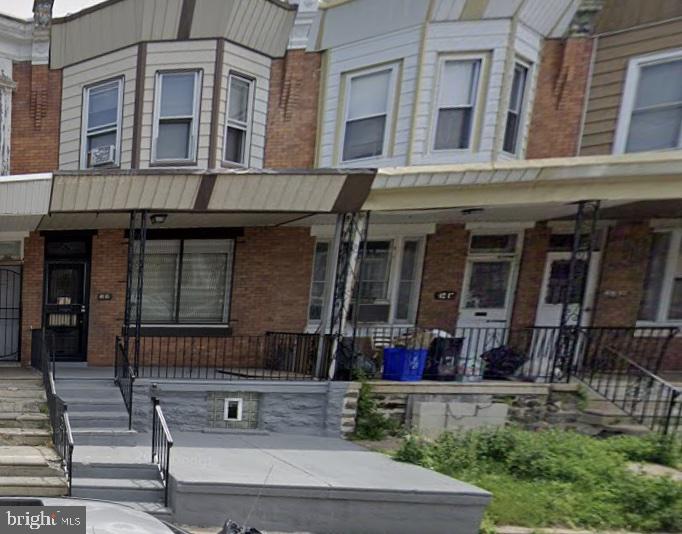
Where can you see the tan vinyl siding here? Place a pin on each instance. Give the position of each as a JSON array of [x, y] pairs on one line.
[[168, 56], [608, 80], [256, 66], [75, 79], [621, 14]]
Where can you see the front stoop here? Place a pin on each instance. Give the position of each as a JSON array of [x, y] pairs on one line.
[[29, 466]]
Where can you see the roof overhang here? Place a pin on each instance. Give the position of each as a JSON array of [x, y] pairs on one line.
[[24, 199], [623, 178], [239, 191]]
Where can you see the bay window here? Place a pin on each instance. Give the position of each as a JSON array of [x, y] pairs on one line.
[[176, 117], [238, 123], [662, 293], [369, 103], [101, 129], [456, 104], [513, 124], [187, 281], [651, 111]]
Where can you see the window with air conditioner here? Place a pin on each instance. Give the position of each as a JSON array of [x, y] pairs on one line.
[[238, 123], [176, 118], [514, 120], [651, 110], [368, 113], [457, 97], [101, 130]]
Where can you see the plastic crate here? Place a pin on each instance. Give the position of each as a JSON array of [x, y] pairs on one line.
[[406, 365]]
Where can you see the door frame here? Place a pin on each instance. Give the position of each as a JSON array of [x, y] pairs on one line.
[[5, 266]]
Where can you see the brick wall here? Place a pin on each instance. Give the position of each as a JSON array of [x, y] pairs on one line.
[[531, 271], [108, 272], [444, 263], [559, 99], [292, 111], [31, 291], [271, 281], [36, 109]]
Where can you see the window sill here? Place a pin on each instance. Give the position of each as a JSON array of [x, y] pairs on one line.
[[188, 330], [174, 163]]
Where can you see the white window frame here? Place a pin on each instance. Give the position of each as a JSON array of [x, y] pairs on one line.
[[630, 93], [668, 276], [191, 160], [348, 78], [396, 261], [475, 108], [240, 409], [246, 127], [85, 134], [523, 107]]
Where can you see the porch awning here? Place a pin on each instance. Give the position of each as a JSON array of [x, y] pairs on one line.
[[319, 191], [24, 199], [623, 178]]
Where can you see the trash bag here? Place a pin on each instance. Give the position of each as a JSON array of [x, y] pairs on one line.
[[502, 362], [235, 528], [443, 359]]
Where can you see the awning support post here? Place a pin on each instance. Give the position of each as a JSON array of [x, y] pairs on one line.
[[137, 238]]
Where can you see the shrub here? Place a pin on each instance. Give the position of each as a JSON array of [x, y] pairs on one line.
[[370, 423], [654, 448]]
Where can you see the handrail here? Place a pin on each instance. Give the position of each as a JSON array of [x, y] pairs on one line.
[[162, 442], [124, 376]]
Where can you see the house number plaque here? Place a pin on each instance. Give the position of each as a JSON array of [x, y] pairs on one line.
[[445, 295]]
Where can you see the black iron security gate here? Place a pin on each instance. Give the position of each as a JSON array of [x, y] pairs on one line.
[[10, 312]]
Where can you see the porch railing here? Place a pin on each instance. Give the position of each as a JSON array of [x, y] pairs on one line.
[[273, 356], [641, 394], [62, 437], [125, 378], [162, 442]]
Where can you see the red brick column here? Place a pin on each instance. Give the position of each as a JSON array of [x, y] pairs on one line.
[[108, 272], [531, 271], [31, 291], [444, 263]]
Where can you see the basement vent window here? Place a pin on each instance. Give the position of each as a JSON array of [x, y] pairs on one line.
[[234, 409]]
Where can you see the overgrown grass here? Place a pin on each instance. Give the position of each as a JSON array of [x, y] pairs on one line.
[[370, 423], [560, 479]]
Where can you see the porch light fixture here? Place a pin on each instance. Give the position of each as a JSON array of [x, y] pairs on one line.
[[471, 211], [158, 218]]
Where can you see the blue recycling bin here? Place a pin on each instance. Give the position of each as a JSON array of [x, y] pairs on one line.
[[406, 365]]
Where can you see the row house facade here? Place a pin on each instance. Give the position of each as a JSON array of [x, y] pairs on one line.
[[472, 132]]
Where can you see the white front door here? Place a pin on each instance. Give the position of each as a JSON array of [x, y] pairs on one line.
[[554, 282], [487, 291]]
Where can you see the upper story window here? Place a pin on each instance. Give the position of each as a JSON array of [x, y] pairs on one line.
[[369, 107], [101, 130], [176, 117], [514, 120], [651, 111], [238, 123], [457, 95]]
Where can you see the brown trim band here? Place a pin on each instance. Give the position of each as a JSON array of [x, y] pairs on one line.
[[139, 102], [205, 191], [354, 193], [186, 17], [215, 103]]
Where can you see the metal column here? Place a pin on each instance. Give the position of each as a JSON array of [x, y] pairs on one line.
[[137, 238]]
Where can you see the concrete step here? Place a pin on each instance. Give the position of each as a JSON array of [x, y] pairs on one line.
[[25, 436], [118, 489], [105, 420], [29, 466], [78, 404], [32, 381], [107, 437], [157, 509], [24, 420], [116, 471], [18, 392], [33, 486], [69, 391], [18, 405]]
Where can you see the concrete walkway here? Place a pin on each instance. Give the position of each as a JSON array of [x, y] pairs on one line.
[[294, 483]]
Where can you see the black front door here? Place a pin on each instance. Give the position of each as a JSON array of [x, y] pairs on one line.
[[66, 308], [10, 312]]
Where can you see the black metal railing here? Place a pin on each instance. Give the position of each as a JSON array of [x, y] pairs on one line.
[[62, 437], [162, 443], [638, 392], [125, 378], [273, 356]]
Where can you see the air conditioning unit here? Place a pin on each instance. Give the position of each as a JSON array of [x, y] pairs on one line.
[[102, 155]]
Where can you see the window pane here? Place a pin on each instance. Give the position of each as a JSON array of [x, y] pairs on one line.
[[653, 281], [203, 287], [518, 88], [659, 84], [319, 281], [510, 132], [486, 243], [453, 129], [103, 106], [160, 281], [369, 94], [488, 284], [558, 281], [173, 140], [407, 286], [105, 139], [375, 271], [234, 145], [364, 138], [458, 86], [239, 99], [654, 130], [177, 95]]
